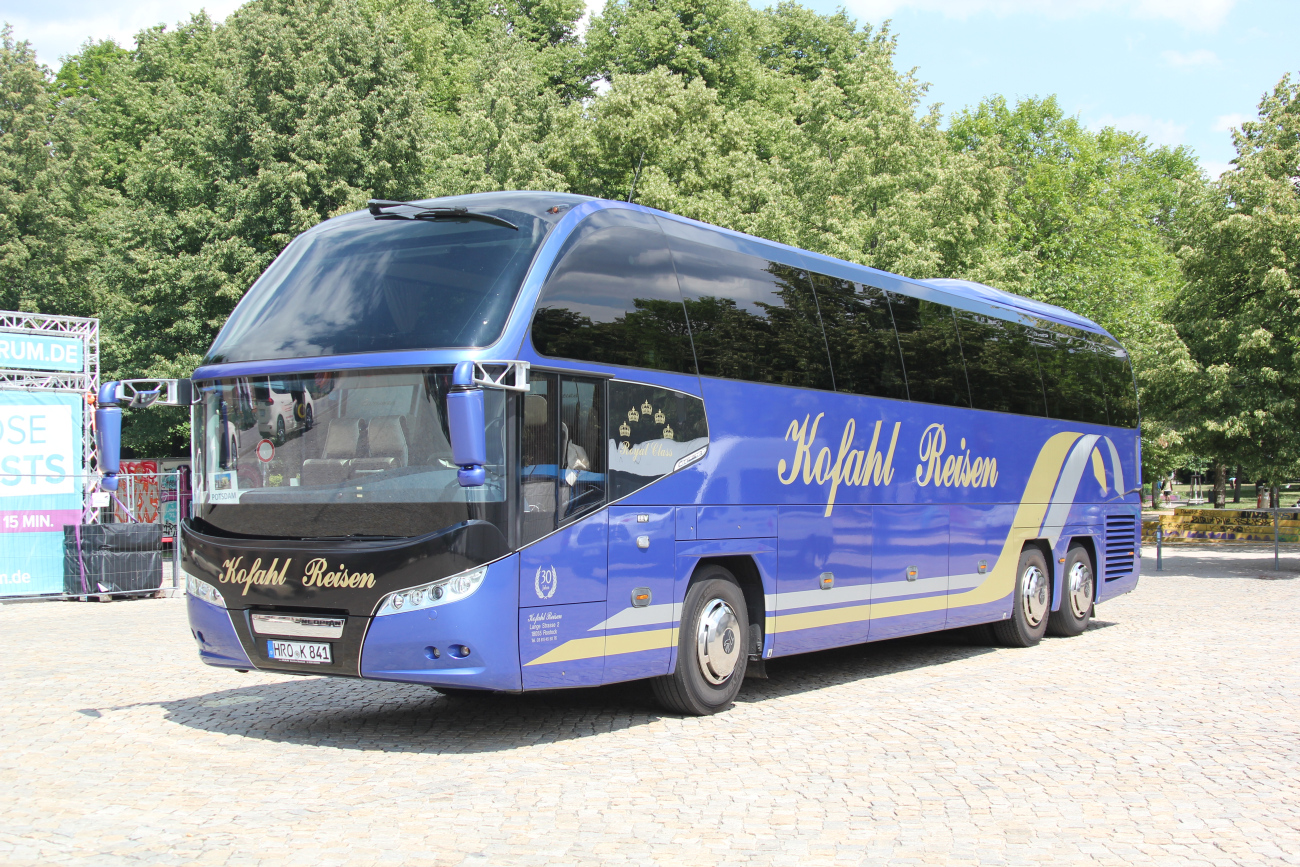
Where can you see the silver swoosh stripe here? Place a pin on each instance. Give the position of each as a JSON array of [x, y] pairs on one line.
[[1119, 470], [873, 592], [648, 616], [1067, 488]]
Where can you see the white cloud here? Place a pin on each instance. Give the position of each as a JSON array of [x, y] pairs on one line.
[[1157, 130], [1225, 122], [1190, 59], [60, 28], [1194, 14]]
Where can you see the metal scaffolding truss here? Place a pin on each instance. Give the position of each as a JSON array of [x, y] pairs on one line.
[[84, 382]]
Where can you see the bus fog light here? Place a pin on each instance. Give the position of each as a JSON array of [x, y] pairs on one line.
[[459, 651], [450, 589], [432, 652]]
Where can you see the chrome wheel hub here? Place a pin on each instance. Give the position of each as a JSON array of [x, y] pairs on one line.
[[718, 641], [1080, 583], [1033, 595]]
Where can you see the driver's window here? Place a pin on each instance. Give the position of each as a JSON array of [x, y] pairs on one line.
[[563, 451]]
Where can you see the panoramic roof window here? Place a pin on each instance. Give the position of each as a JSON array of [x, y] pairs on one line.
[[367, 284]]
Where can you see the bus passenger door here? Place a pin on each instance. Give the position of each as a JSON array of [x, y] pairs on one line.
[[640, 610], [978, 535], [563, 564], [909, 570]]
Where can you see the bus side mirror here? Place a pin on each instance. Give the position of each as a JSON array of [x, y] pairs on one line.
[[465, 423], [108, 435]]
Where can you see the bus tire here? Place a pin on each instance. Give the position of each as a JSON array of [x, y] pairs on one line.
[[711, 649], [1031, 603], [1078, 587]]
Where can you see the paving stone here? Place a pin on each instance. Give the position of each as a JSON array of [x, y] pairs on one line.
[[1168, 733]]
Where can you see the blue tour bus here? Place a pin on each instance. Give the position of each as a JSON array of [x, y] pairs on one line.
[[542, 440]]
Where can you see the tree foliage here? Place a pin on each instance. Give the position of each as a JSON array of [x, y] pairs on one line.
[[151, 185], [1239, 311]]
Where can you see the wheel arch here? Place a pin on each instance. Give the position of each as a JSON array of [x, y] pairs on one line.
[[750, 579]]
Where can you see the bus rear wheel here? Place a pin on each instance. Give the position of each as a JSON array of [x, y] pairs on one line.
[[1078, 589], [711, 651], [1031, 603]]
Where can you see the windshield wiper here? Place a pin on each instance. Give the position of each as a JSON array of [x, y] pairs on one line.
[[379, 210], [355, 538]]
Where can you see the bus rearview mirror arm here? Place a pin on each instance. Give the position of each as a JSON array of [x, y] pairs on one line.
[[137, 393]]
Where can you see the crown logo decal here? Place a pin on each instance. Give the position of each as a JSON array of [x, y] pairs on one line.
[[668, 432], [633, 415], [646, 408], [660, 418], [625, 430]]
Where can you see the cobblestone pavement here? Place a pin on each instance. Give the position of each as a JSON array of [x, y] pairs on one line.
[[1165, 734]]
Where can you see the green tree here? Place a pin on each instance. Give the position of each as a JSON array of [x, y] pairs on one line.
[[217, 145], [1088, 214], [1239, 312], [43, 181]]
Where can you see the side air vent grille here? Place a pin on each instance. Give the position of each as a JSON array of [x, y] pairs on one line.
[[1121, 545]]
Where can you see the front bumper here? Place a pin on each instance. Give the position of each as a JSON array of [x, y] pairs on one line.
[[396, 647]]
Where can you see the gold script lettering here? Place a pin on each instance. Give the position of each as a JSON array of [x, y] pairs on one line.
[[846, 466], [255, 574], [955, 470]]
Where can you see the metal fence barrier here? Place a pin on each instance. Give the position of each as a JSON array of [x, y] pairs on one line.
[[118, 544]]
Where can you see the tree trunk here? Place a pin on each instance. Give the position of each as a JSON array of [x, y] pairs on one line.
[[1155, 493], [1220, 486], [1273, 497], [1236, 486]]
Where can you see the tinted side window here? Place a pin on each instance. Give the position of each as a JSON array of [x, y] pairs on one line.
[[1072, 377], [582, 447], [1121, 400], [750, 318], [612, 297], [562, 461], [927, 335], [1001, 365], [860, 333], [650, 430]]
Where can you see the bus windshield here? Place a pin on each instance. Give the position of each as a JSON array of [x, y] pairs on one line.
[[358, 284], [353, 454]]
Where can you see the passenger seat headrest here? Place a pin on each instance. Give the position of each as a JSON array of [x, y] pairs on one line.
[[534, 410]]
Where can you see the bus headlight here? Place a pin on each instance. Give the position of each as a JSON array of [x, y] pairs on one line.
[[205, 591], [453, 588]]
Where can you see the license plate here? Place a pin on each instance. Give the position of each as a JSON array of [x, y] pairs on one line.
[[299, 651]]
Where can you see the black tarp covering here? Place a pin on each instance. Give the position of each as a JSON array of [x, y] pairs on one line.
[[111, 558]]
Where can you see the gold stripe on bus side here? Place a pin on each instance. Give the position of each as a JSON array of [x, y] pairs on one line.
[[627, 642], [1027, 524], [1001, 580]]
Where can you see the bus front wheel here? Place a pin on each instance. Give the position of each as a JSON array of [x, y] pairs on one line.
[[711, 651], [1031, 603]]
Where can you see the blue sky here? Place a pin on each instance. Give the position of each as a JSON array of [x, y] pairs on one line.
[[1179, 71]]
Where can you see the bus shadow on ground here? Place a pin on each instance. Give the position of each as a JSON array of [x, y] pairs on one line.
[[393, 717]]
